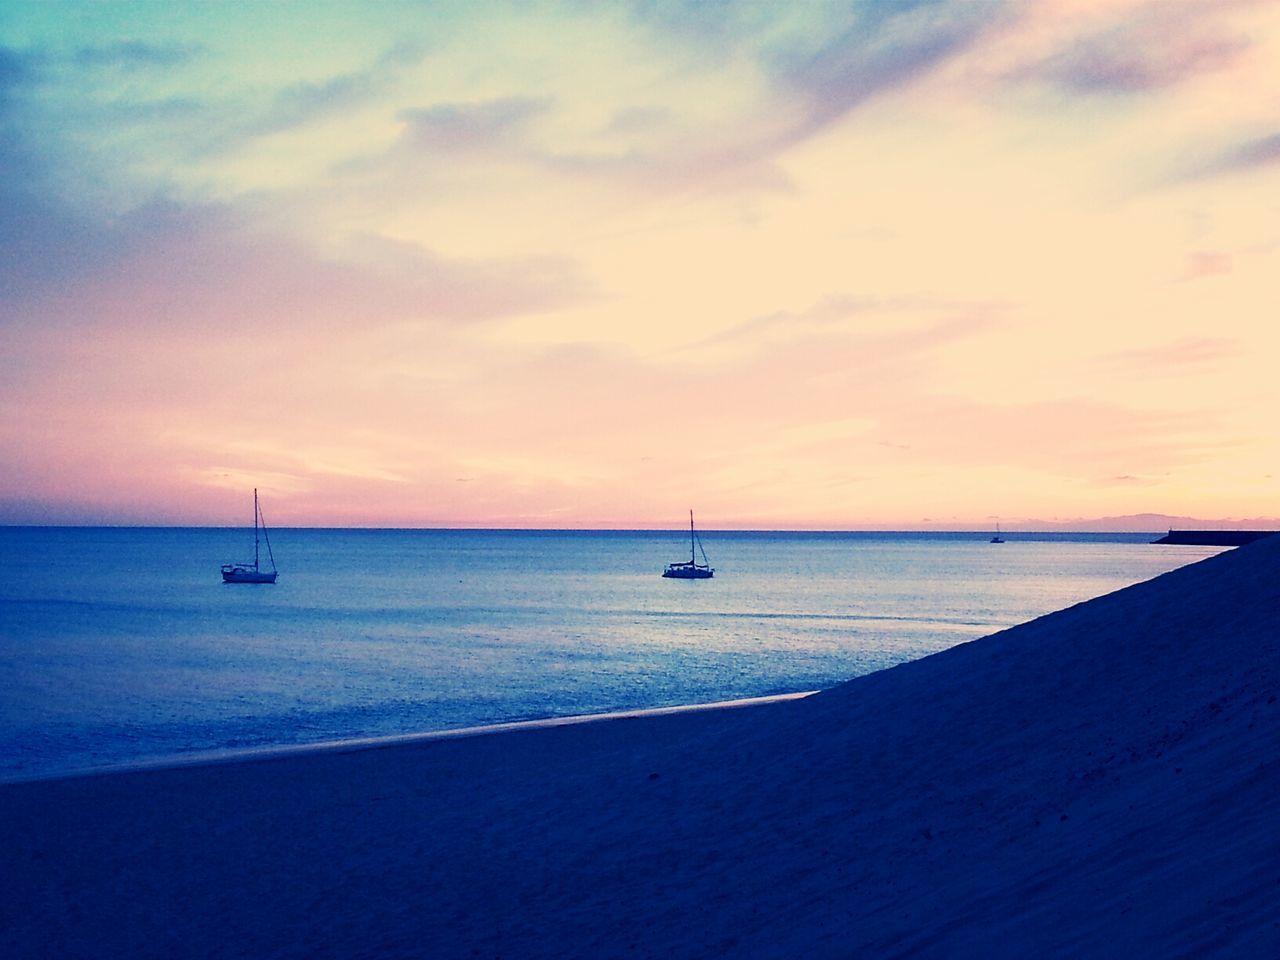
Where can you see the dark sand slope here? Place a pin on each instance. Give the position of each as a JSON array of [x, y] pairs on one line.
[[1102, 782]]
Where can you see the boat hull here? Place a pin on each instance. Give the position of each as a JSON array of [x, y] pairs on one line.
[[248, 576], [687, 572]]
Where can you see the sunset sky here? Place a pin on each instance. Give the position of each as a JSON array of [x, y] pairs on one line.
[[793, 265]]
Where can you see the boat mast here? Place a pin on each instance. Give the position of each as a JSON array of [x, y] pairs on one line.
[[266, 538], [693, 557], [255, 528]]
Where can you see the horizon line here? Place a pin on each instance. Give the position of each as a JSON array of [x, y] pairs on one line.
[[1037, 527]]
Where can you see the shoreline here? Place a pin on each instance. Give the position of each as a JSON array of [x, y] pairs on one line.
[[235, 755]]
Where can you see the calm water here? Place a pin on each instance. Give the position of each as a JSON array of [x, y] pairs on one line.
[[123, 645]]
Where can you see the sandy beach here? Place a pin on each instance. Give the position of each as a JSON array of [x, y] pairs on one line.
[[1100, 782]]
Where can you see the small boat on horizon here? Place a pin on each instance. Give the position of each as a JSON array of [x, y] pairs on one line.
[[253, 572], [691, 570], [997, 538]]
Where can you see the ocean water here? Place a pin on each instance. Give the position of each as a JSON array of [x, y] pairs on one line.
[[122, 646]]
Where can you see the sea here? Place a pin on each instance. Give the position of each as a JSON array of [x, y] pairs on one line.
[[121, 647]]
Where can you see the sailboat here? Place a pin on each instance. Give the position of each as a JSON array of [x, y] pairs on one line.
[[692, 570], [253, 572], [997, 538]]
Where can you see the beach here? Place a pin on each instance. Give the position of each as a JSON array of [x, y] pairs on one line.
[[1098, 782]]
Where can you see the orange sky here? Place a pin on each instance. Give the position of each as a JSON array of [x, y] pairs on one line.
[[560, 265]]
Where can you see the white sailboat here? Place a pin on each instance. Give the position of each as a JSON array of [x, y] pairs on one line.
[[692, 570], [253, 572], [997, 538]]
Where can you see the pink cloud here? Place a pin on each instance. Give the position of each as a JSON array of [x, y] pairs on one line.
[[1180, 354], [1206, 263]]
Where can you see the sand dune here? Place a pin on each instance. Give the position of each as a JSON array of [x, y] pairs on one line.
[[1101, 782]]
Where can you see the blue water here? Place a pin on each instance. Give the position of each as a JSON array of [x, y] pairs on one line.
[[123, 645]]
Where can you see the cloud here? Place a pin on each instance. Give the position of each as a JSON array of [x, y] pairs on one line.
[[905, 320], [196, 298], [303, 103], [504, 133], [472, 288], [718, 26], [824, 371], [887, 47], [1157, 46], [1255, 154], [174, 264], [818, 72], [45, 239], [192, 328], [1073, 437], [47, 245], [805, 69], [145, 133], [1176, 356], [1206, 263], [136, 54], [472, 128], [813, 412], [638, 120], [63, 245], [819, 63]]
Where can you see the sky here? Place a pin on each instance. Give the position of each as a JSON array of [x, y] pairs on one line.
[[792, 265]]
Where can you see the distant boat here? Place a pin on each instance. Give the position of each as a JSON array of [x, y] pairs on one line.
[[997, 538], [692, 570], [252, 572]]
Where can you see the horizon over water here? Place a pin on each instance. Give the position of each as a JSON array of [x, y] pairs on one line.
[[121, 645]]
